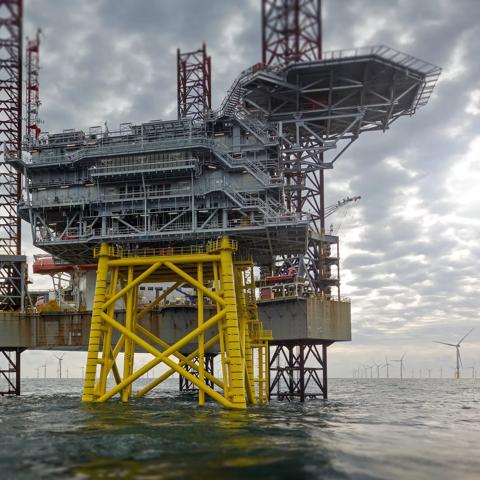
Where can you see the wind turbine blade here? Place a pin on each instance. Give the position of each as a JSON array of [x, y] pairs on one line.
[[465, 336], [444, 343], [403, 356], [460, 358]]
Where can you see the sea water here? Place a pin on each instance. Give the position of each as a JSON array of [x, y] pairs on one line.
[[368, 429]]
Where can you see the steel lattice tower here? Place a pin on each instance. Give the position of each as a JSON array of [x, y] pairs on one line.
[[33, 89], [11, 264], [291, 31], [194, 85]]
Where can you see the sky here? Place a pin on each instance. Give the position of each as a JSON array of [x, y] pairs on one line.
[[410, 251]]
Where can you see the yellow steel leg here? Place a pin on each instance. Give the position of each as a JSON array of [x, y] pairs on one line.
[[244, 336], [216, 286], [107, 354], [128, 358], [201, 337], [96, 328], [235, 361]]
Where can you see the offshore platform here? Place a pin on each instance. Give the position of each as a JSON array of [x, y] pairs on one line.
[[228, 203]]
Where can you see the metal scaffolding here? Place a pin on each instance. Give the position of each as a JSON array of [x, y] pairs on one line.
[[194, 84]]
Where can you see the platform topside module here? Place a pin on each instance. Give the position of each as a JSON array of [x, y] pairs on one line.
[[185, 181]]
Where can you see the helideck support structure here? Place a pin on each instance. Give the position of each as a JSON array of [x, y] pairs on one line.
[[232, 328]]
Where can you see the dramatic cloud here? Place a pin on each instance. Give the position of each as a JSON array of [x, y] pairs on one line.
[[410, 247]]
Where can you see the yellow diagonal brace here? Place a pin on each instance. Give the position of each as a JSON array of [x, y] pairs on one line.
[[137, 281], [162, 357], [118, 347], [191, 378], [153, 338], [170, 372], [164, 295], [192, 281], [147, 347]]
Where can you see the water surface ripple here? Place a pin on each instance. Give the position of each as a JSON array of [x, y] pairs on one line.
[[369, 429]]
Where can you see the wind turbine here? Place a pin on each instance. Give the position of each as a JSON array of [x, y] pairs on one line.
[[44, 366], [457, 346], [378, 368], [472, 367], [387, 365], [59, 364], [401, 365]]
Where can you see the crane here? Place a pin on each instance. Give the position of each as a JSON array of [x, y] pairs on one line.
[[331, 209]]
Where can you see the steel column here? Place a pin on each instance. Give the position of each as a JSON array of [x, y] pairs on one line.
[[12, 369]]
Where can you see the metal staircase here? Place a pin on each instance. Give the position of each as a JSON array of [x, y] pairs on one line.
[[256, 127]]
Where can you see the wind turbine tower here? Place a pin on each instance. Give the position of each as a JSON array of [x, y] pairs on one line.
[[457, 347], [60, 365], [401, 365], [388, 365]]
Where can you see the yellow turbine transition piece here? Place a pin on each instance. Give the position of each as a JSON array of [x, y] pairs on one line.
[[227, 284]]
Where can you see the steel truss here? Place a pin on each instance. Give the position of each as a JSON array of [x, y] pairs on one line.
[[234, 328], [10, 374], [13, 273], [299, 370], [185, 385], [291, 31], [194, 84], [10, 144]]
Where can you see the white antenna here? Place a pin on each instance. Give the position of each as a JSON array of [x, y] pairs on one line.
[[457, 346]]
